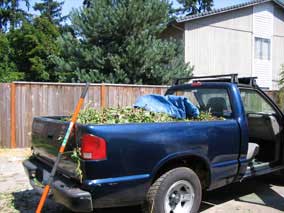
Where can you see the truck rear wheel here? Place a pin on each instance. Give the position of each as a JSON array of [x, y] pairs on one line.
[[177, 191]]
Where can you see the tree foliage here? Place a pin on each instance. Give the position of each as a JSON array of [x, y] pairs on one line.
[[281, 81], [113, 41], [87, 3], [8, 69], [33, 44], [51, 9], [118, 42], [11, 15], [190, 7], [281, 88]]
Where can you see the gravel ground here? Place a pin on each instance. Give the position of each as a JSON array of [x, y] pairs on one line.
[[261, 195]]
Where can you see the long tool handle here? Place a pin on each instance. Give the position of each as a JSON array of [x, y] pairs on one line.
[[61, 150]]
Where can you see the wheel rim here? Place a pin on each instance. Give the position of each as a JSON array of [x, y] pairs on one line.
[[179, 197]]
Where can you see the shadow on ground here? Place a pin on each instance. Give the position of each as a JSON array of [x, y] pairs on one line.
[[26, 202], [257, 191]]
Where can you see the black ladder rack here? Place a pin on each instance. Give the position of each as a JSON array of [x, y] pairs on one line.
[[233, 78]]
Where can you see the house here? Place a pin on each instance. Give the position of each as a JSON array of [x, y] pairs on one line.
[[247, 39]]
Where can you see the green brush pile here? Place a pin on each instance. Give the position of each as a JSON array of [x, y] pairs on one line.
[[130, 115]]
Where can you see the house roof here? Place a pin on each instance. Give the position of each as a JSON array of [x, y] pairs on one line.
[[227, 9]]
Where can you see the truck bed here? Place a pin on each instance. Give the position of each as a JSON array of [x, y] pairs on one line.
[[131, 145]]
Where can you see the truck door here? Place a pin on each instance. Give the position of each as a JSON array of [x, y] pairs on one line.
[[265, 125]]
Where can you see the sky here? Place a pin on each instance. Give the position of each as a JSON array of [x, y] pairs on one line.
[[70, 4], [225, 3]]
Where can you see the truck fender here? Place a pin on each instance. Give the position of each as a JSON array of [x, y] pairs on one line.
[[179, 156]]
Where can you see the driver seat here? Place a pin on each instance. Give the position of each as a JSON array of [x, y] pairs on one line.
[[253, 150], [216, 106]]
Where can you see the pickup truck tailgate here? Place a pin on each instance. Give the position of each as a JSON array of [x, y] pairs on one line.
[[47, 135]]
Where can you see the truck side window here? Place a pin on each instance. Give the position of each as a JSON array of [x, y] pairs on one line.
[[254, 103], [215, 101]]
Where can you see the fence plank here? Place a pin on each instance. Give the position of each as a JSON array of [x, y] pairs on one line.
[[13, 115], [103, 96], [5, 119]]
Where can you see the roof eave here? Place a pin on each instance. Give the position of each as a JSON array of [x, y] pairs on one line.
[[279, 3], [228, 9]]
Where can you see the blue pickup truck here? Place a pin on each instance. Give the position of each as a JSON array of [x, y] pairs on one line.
[[163, 167]]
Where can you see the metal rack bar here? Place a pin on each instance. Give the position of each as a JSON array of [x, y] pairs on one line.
[[234, 78]]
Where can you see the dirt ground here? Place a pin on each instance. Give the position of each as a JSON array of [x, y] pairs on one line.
[[261, 195]]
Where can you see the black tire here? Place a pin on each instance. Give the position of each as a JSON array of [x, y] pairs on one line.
[[156, 196]]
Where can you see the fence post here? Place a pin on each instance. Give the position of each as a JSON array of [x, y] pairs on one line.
[[13, 115], [103, 96]]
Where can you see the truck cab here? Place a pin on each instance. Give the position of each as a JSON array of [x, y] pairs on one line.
[[261, 120]]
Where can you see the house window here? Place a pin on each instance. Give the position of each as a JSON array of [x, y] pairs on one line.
[[262, 48]]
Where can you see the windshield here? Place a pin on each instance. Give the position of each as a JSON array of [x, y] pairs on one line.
[[214, 101]]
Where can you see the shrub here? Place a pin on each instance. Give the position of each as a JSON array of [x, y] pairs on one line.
[[281, 90]]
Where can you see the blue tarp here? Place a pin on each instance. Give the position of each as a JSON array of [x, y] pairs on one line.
[[175, 106]]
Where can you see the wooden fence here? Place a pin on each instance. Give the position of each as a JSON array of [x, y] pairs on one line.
[[21, 101]]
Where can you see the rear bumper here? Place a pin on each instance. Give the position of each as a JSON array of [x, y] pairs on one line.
[[64, 191]]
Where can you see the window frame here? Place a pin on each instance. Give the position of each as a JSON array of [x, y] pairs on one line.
[[261, 55]]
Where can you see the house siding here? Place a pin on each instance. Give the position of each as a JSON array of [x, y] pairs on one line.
[[263, 27], [278, 45], [263, 23], [220, 44], [224, 43], [278, 21]]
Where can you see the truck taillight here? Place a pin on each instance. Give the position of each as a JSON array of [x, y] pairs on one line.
[[93, 147], [196, 84]]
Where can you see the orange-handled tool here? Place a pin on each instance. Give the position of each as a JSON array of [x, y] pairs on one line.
[[61, 150]]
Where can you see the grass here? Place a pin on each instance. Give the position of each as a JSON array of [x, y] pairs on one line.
[[7, 203]]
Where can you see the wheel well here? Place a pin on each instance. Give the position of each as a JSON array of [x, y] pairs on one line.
[[197, 164]]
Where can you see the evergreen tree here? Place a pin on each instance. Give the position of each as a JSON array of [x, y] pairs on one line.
[[87, 3], [51, 9], [11, 15], [33, 44], [194, 6], [118, 42], [8, 69]]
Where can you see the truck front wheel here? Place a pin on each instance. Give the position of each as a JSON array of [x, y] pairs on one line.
[[177, 191]]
